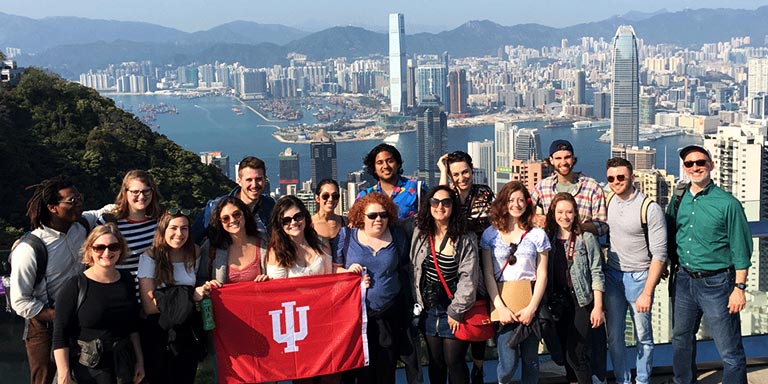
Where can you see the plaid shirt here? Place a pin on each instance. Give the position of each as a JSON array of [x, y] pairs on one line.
[[588, 194]]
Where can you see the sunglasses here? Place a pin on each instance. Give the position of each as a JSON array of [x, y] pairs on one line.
[[74, 200], [512, 258], [333, 196], [374, 215], [137, 192], [236, 215], [287, 220], [178, 211], [99, 248], [447, 203], [620, 178], [700, 163]]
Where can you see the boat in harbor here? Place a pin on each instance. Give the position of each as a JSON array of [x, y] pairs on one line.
[[589, 124]]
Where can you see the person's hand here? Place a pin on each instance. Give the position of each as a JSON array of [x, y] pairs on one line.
[[64, 378], [453, 324], [261, 278], [506, 316], [540, 221], [526, 315], [643, 303], [442, 163], [356, 268], [138, 374], [367, 281], [737, 301], [596, 317]]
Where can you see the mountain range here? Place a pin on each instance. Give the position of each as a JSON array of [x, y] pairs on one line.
[[70, 45]]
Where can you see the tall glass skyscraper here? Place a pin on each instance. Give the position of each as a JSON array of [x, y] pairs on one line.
[[431, 139], [625, 119], [432, 80], [322, 157], [397, 90]]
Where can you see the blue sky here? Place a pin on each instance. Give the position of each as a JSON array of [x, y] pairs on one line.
[[421, 15]]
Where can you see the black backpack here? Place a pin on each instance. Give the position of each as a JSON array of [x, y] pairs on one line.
[[41, 256]]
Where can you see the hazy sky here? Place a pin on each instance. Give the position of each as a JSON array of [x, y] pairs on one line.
[[195, 15]]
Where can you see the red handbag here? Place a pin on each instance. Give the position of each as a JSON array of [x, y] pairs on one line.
[[477, 324]]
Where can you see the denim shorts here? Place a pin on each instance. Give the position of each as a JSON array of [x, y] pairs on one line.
[[435, 323]]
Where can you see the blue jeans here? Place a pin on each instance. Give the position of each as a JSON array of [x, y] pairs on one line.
[[707, 297], [621, 292], [528, 350]]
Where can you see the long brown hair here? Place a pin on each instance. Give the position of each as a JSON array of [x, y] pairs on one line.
[[280, 243], [500, 217], [101, 230], [161, 251], [154, 209], [552, 228]]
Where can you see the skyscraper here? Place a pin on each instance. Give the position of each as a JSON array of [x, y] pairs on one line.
[[458, 91], [602, 104], [757, 78], [322, 157], [527, 145], [580, 96], [626, 89], [647, 110], [410, 83], [504, 139], [431, 139], [288, 163], [432, 80], [483, 156], [397, 92]]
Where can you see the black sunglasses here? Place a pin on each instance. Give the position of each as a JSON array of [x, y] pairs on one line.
[[620, 178], [326, 195], [512, 258], [178, 211], [286, 221], [700, 163], [74, 200], [447, 202], [99, 248], [236, 215], [374, 215]]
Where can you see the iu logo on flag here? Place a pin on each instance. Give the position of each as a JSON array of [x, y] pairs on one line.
[[290, 336], [290, 329]]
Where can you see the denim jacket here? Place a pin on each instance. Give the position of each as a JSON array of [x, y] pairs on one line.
[[587, 269]]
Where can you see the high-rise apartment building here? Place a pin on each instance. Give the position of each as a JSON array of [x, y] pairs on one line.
[[483, 160], [322, 157], [580, 94], [626, 89], [431, 139], [397, 80], [757, 79], [218, 159], [640, 158], [647, 110], [527, 145], [504, 142], [288, 164], [458, 91], [602, 105], [431, 80]]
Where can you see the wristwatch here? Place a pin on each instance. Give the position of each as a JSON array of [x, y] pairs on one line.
[[741, 286]]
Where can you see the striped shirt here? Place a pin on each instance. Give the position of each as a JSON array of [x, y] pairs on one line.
[[139, 236], [449, 267], [587, 193]]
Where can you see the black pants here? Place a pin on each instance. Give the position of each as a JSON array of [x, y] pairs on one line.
[[162, 364], [573, 330]]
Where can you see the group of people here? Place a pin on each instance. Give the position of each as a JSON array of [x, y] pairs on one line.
[[117, 295]]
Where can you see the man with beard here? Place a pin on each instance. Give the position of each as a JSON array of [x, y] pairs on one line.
[[251, 180], [714, 246], [591, 203]]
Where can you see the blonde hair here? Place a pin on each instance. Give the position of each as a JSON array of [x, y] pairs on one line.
[[101, 230]]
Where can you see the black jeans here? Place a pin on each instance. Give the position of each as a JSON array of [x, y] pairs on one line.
[[573, 330]]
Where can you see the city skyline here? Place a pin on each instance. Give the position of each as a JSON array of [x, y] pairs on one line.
[[197, 15]]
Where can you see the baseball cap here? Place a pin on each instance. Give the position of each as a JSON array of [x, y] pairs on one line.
[[560, 145], [694, 148]]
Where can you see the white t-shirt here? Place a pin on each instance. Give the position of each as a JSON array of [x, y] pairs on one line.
[[181, 276], [535, 241]]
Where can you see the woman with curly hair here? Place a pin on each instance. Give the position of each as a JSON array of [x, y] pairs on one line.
[[107, 311], [444, 253], [167, 281], [513, 250], [576, 275], [294, 248], [373, 242]]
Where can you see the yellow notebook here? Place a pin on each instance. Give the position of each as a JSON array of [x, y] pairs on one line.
[[516, 295]]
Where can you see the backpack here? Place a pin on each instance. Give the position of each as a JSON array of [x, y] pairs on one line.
[[643, 218], [672, 223], [41, 256]]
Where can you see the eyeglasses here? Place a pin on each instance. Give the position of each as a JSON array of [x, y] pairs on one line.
[[137, 192], [374, 215], [236, 215], [74, 200], [447, 203], [287, 220], [178, 211], [620, 178], [700, 163], [512, 258], [99, 248], [326, 195]]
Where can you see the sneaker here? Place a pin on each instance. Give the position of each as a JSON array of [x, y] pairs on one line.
[[477, 375]]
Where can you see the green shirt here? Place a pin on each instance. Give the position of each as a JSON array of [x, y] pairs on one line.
[[711, 231]]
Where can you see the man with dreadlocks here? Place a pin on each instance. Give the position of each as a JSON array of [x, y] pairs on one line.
[[53, 212]]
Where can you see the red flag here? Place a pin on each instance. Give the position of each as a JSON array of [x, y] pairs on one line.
[[290, 328]]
